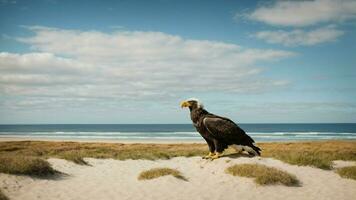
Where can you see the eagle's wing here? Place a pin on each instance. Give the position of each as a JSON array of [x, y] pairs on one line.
[[225, 129]]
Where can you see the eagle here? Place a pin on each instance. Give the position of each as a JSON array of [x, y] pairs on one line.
[[219, 132]]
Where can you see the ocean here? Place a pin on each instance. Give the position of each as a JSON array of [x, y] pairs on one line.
[[181, 132]]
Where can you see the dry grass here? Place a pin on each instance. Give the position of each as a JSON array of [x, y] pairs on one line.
[[3, 196], [74, 157], [26, 166], [263, 175], [318, 154], [158, 172], [347, 172], [71, 150]]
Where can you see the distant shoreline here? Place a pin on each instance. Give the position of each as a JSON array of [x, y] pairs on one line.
[[172, 133]]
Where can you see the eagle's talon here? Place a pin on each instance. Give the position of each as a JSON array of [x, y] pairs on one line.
[[216, 156], [209, 155]]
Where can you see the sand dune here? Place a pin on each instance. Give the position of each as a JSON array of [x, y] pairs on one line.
[[114, 179]]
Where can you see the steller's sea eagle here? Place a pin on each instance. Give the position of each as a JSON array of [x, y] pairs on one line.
[[218, 132]]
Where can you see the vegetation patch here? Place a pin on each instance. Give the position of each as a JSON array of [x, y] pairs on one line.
[[72, 150], [158, 172], [317, 153], [263, 175], [25, 166], [3, 196], [347, 172], [74, 157]]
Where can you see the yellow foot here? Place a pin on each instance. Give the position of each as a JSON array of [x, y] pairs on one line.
[[216, 156], [209, 155]]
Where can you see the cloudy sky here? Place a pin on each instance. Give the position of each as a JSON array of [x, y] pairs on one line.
[[134, 61]]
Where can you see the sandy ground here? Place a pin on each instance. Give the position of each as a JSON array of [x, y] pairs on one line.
[[114, 179]]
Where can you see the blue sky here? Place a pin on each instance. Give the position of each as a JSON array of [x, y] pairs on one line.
[[134, 61]]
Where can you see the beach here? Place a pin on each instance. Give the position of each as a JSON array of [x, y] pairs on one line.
[[117, 178], [177, 100]]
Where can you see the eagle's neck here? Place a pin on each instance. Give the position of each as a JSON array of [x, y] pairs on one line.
[[196, 114]]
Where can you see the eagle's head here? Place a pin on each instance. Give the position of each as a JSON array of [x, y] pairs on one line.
[[192, 103]]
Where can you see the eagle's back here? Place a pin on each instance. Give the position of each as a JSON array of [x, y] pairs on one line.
[[226, 130]]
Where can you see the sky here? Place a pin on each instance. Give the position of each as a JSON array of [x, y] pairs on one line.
[[115, 62]]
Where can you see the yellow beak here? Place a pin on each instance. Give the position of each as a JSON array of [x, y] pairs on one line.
[[184, 104]]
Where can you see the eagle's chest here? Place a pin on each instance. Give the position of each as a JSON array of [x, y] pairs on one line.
[[197, 117], [201, 129]]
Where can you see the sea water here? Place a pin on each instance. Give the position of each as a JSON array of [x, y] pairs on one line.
[[181, 132]]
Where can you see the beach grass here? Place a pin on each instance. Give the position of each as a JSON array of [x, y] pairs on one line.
[[75, 150], [263, 175], [159, 172], [3, 196], [75, 157], [347, 172], [319, 154], [23, 165]]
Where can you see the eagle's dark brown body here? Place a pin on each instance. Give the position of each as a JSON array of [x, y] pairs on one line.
[[219, 132]]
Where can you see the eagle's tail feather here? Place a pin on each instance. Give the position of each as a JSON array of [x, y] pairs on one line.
[[253, 150], [250, 148]]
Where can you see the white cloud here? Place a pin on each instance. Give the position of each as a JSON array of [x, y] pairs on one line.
[[300, 37], [130, 65], [40, 63], [304, 13]]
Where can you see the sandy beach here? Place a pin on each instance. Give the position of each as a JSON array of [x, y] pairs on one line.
[[206, 179], [113, 179]]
